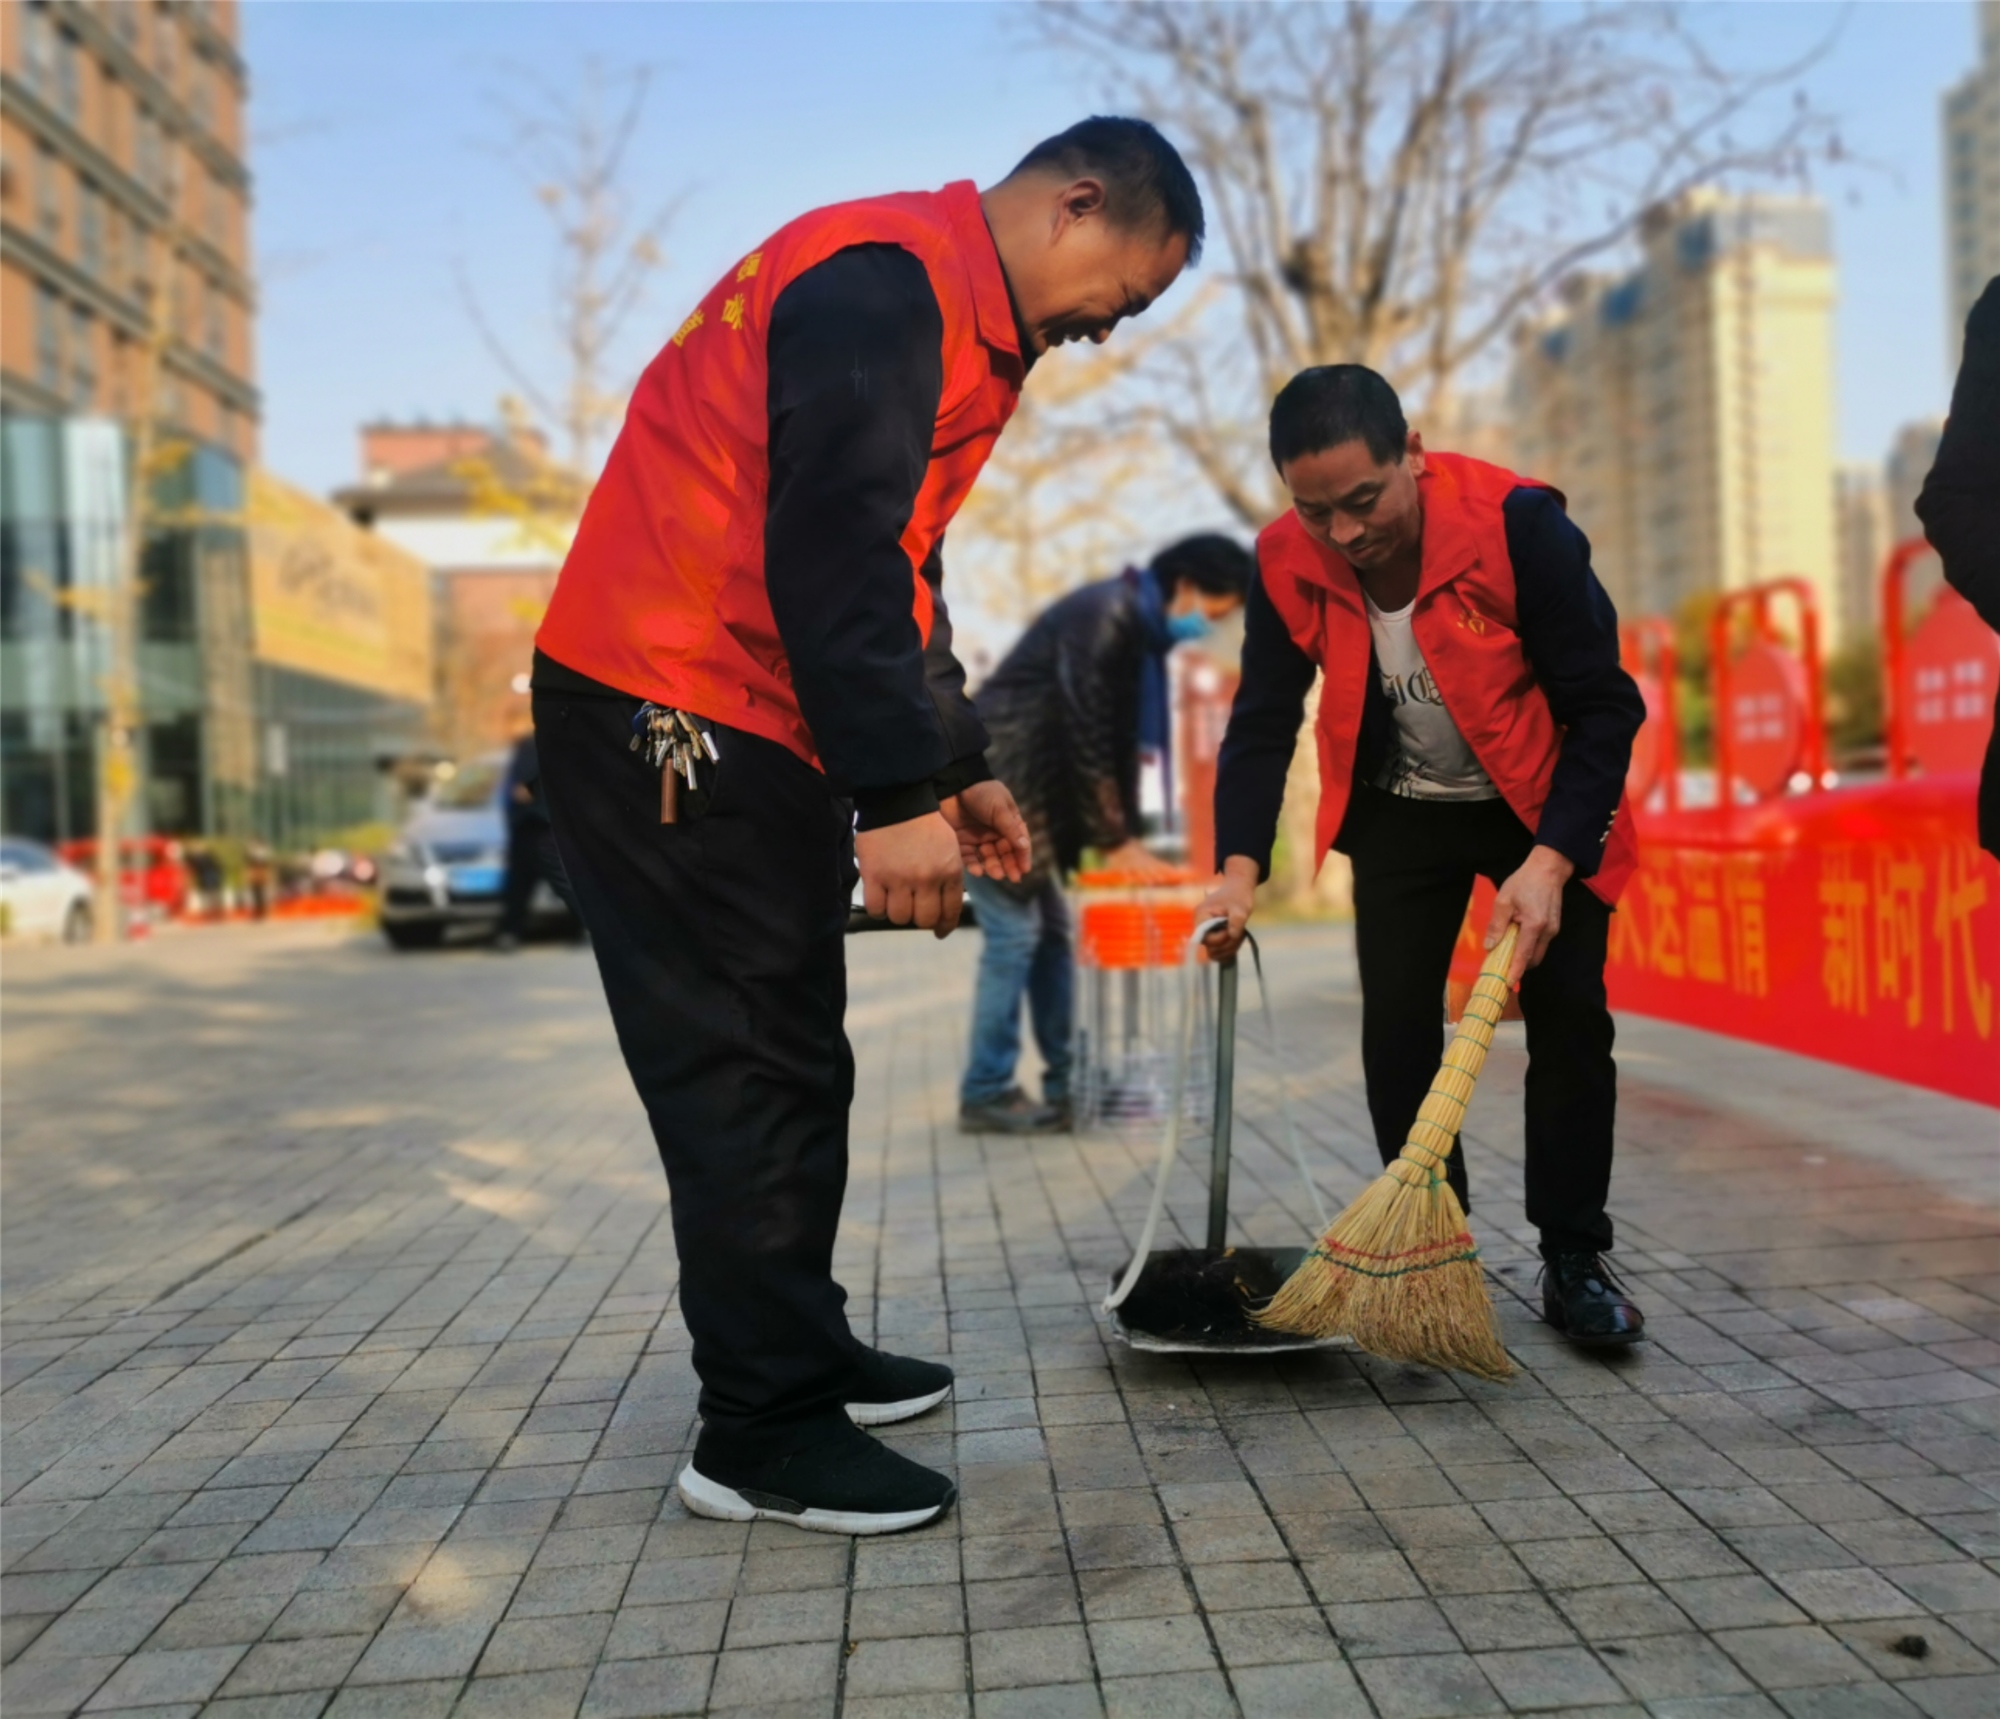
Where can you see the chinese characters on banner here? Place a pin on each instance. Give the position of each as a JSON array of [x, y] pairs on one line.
[[1861, 926]]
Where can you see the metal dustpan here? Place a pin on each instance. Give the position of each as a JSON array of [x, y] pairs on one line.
[[1199, 1301]]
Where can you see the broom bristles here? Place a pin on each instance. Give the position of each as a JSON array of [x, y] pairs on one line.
[[1398, 1271]]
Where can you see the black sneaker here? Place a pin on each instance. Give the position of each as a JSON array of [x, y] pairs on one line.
[[1583, 1300], [894, 1388], [1014, 1113], [841, 1482]]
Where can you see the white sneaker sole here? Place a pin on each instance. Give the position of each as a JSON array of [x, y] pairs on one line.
[[707, 1497], [887, 1414]]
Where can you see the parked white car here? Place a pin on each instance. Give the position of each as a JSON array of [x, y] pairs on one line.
[[41, 896]]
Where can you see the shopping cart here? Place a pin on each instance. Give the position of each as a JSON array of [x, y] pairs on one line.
[[1129, 939]]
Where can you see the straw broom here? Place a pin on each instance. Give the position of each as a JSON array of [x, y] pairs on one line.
[[1398, 1271]]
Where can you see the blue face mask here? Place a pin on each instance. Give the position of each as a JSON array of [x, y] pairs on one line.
[[1193, 625]]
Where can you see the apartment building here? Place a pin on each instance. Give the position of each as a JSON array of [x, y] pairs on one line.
[[1972, 179], [1686, 408]]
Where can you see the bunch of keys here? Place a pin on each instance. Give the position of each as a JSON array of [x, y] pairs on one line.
[[673, 743]]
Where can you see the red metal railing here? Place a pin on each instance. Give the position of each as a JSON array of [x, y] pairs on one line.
[[1757, 599], [1633, 639], [1895, 644]]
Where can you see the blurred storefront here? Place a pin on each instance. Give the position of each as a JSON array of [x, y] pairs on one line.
[[283, 656], [341, 646]]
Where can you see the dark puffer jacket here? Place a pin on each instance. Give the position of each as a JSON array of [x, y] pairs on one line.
[[1062, 716]]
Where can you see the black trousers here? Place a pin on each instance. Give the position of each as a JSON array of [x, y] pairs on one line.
[[1414, 863], [531, 857], [719, 939]]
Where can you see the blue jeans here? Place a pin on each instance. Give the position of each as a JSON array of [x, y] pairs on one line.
[[1025, 948]]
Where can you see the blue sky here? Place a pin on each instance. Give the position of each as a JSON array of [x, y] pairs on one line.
[[373, 189]]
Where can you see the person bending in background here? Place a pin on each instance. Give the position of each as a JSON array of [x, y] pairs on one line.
[[1474, 720], [1960, 508], [1069, 714]]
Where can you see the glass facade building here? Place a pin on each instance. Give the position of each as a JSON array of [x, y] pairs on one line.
[[229, 745]]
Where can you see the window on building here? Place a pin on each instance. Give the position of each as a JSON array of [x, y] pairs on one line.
[[125, 21], [82, 357], [166, 46], [90, 228], [148, 152], [38, 50], [215, 323], [113, 110], [167, 612], [118, 370], [201, 96], [215, 218], [48, 338], [117, 273], [48, 195], [69, 76]]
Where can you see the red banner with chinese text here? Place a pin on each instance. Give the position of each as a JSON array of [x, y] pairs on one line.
[[1860, 925]]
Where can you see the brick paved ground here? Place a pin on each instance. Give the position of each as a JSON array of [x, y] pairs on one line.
[[344, 1377]]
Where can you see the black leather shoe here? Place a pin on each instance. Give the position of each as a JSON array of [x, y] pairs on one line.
[[1587, 1304], [890, 1388]]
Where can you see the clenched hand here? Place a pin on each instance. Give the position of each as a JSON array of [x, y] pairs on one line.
[[911, 873], [1531, 898]]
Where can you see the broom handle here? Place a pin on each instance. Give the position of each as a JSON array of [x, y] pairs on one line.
[[1443, 1111]]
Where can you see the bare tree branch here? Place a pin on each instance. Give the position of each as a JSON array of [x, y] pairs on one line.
[[569, 141], [1399, 186]]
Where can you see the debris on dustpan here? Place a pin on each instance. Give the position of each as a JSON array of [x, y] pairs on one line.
[[1193, 1299]]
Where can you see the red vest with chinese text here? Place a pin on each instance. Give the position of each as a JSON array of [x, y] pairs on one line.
[[662, 595], [1466, 626]]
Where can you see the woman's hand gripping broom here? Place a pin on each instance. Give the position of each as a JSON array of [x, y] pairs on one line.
[[1398, 1271]]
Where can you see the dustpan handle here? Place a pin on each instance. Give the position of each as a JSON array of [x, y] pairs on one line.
[[1227, 978], [1170, 1138]]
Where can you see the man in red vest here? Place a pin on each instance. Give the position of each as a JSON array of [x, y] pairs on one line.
[[1474, 719], [745, 685]]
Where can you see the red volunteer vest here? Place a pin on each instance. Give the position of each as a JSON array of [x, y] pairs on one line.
[[662, 594], [1466, 626]]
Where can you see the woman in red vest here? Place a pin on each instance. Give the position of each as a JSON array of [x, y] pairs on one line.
[[1474, 720], [745, 685]]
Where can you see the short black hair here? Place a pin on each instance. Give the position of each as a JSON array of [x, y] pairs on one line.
[[1212, 563], [1333, 403], [1146, 183]]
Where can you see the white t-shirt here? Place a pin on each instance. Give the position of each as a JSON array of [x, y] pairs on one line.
[[1433, 761]]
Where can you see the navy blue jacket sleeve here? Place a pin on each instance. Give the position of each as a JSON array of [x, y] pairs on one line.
[[944, 676], [1262, 735], [1569, 632], [856, 373]]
